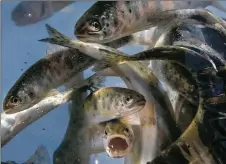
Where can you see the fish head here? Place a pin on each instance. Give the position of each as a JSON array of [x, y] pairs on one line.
[[18, 100], [118, 139], [99, 23], [28, 12], [128, 100]]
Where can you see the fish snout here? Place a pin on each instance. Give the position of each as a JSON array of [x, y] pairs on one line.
[[80, 31], [141, 102]]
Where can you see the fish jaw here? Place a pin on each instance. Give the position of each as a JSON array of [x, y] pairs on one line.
[[117, 146]]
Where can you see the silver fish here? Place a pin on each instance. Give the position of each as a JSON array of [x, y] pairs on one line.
[[12, 124], [107, 21], [154, 121], [89, 139], [201, 134], [114, 102], [31, 12], [44, 77]]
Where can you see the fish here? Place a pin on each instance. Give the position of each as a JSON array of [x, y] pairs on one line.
[[81, 139], [156, 116], [44, 77], [105, 53], [211, 108], [118, 138], [107, 21], [32, 12], [12, 124], [112, 102], [204, 140], [184, 112], [149, 37], [41, 155]]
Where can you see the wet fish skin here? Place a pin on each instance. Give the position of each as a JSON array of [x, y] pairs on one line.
[[188, 33], [118, 138], [31, 12], [107, 21], [184, 112], [112, 102], [154, 118], [12, 124], [202, 136], [180, 80], [43, 77], [110, 56]]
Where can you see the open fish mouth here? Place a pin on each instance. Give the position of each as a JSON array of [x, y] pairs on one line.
[[118, 146]]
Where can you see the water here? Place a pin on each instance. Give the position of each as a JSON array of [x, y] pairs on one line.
[[20, 49]]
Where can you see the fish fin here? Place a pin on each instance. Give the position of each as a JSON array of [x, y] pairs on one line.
[[53, 92], [41, 155], [95, 81], [91, 84], [55, 37], [218, 5]]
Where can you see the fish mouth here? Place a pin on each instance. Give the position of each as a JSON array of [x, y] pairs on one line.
[[141, 103], [10, 110], [118, 146], [93, 38]]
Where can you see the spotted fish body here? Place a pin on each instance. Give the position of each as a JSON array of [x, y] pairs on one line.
[[112, 103], [106, 21], [42, 77]]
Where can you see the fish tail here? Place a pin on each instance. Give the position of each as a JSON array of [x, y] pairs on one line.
[[95, 81], [55, 37], [157, 53], [218, 5]]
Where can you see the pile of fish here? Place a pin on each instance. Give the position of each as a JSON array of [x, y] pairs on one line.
[[174, 107]]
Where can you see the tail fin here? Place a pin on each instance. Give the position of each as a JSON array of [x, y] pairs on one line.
[[92, 83], [41, 155], [55, 37], [218, 5], [95, 81]]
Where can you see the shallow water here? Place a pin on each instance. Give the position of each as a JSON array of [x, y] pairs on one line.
[[20, 49]]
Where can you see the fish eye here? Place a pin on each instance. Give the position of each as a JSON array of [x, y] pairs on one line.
[[14, 100], [94, 26], [126, 130], [105, 132], [129, 99]]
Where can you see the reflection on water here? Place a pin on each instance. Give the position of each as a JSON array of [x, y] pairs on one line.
[[23, 24]]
